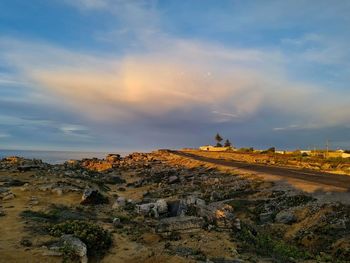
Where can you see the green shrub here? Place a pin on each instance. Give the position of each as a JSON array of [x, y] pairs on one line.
[[264, 244], [97, 240]]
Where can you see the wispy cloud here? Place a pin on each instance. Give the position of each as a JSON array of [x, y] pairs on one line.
[[4, 135]]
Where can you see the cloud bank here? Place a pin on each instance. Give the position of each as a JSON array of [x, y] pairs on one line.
[[207, 82]]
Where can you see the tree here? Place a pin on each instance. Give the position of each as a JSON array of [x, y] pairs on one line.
[[271, 150], [218, 139], [227, 143]]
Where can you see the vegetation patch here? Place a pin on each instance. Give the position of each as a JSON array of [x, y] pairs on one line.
[[97, 240], [263, 244], [57, 213]]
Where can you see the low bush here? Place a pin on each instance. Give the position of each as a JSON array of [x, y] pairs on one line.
[[264, 244], [97, 240]]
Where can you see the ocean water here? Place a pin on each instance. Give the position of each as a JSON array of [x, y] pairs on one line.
[[55, 157]]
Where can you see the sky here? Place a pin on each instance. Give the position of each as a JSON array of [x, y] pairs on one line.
[[124, 75]]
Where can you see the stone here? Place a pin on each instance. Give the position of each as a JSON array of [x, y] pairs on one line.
[[120, 202], [52, 253], [149, 209], [9, 196], [180, 224], [237, 224], [116, 222], [153, 209], [265, 217], [177, 208], [214, 196], [58, 191], [77, 245], [92, 196], [173, 179], [226, 260], [113, 158], [285, 217], [27, 167], [218, 214], [162, 206], [26, 243]]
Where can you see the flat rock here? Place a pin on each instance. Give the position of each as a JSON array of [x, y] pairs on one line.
[[180, 224]]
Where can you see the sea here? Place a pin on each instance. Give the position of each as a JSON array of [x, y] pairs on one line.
[[55, 157]]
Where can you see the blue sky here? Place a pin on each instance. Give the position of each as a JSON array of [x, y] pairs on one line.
[[137, 75]]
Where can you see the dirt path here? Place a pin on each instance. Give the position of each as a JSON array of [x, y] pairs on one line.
[[322, 179]]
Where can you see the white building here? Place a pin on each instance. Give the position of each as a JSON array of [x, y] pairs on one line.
[[211, 148]]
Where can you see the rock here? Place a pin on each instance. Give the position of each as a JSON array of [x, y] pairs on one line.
[[224, 216], [177, 208], [13, 182], [285, 217], [193, 200], [77, 246], [180, 224], [219, 214], [149, 209], [162, 206], [2, 213], [173, 179], [226, 260], [153, 209], [116, 222], [26, 243], [27, 167], [120, 202], [58, 191], [9, 196], [214, 196], [53, 253], [113, 158], [265, 217], [237, 224], [93, 197]]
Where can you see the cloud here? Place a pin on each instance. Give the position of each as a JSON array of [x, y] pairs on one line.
[[89, 4], [190, 79], [4, 135], [75, 131]]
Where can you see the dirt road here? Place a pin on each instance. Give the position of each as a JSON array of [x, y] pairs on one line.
[[333, 180]]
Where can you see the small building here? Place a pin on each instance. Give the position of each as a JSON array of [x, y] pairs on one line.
[[280, 152], [211, 148]]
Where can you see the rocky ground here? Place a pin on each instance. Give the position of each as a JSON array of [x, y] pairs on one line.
[[160, 207], [330, 165]]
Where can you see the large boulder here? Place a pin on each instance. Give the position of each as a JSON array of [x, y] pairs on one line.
[[77, 246], [285, 217], [93, 197], [219, 214], [153, 209]]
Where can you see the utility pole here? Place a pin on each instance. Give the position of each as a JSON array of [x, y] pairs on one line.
[[327, 148]]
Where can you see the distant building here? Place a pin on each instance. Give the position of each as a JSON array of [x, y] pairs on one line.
[[211, 148], [307, 152], [345, 155], [280, 152]]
